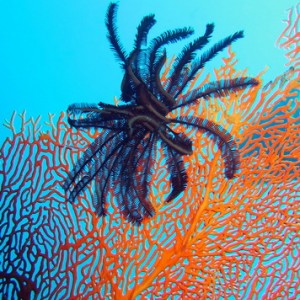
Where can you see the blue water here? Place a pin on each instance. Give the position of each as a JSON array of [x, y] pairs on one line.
[[54, 53]]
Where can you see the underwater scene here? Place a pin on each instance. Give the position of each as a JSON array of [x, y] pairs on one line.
[[150, 151]]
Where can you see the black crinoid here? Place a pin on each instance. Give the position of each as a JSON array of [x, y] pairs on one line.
[[121, 159]]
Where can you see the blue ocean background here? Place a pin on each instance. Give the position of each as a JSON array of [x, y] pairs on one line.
[[54, 53]]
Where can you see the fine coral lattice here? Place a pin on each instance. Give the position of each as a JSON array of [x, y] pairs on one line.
[[221, 239]]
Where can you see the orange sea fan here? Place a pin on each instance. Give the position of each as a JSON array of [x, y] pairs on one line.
[[290, 37], [220, 239]]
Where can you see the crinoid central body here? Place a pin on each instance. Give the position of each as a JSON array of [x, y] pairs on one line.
[[122, 158]]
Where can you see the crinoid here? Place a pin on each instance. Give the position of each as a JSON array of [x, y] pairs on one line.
[[122, 157]]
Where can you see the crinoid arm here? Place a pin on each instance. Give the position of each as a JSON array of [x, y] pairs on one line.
[[115, 162], [226, 143], [167, 37], [113, 36], [219, 88], [120, 161], [199, 63], [133, 171], [95, 160], [127, 89], [178, 175], [101, 115], [179, 68]]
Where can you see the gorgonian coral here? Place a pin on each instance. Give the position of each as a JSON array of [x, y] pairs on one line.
[[219, 240]]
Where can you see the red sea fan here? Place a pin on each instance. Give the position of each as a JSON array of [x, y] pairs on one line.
[[221, 239]]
